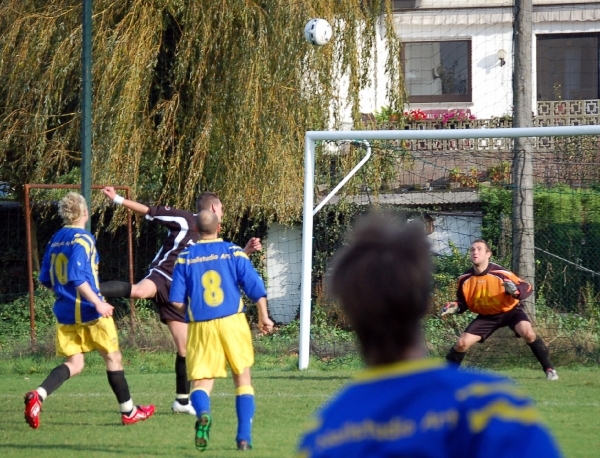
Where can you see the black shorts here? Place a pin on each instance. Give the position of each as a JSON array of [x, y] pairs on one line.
[[485, 325], [166, 310]]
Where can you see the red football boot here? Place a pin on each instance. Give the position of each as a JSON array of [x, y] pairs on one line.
[[141, 413], [33, 407]]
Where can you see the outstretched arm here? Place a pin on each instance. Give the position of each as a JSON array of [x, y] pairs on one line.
[[137, 207]]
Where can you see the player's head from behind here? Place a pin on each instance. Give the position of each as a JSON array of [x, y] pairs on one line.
[[73, 209], [383, 281], [207, 223], [480, 253], [210, 201]]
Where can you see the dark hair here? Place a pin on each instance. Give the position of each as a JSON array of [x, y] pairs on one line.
[[206, 200], [207, 222], [487, 246], [383, 280]]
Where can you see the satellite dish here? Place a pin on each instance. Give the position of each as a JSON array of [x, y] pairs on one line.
[[438, 71]]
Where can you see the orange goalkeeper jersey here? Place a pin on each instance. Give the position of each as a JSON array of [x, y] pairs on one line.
[[484, 293]]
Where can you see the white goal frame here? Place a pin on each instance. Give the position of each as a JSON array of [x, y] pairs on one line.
[[309, 210]]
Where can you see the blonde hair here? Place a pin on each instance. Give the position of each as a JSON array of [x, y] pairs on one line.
[[71, 207]]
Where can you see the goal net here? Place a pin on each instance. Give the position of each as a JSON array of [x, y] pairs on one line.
[[464, 184]]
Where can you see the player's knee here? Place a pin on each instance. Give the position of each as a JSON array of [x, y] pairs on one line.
[[75, 367], [114, 360], [529, 336], [138, 292], [462, 345], [525, 330]]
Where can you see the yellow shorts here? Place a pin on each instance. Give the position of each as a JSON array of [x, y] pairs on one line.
[[210, 344], [100, 334]]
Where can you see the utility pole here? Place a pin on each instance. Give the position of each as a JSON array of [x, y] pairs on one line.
[[86, 106], [523, 246]]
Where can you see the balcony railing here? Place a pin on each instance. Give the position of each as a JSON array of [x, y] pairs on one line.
[[555, 159]]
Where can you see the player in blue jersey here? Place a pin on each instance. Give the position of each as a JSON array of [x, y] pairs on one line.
[[156, 285], [84, 318], [206, 285], [405, 404]]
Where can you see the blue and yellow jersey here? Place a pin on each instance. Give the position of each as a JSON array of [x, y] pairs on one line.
[[208, 277], [70, 260], [424, 408]]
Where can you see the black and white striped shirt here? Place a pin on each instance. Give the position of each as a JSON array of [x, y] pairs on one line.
[[182, 232]]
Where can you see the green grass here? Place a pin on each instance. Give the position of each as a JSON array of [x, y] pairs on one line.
[[570, 406], [82, 418]]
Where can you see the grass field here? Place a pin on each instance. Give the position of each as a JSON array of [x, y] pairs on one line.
[[81, 418]]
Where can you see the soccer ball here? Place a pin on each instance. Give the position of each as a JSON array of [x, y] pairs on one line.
[[318, 32]]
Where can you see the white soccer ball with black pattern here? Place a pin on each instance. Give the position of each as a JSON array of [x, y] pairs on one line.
[[318, 32]]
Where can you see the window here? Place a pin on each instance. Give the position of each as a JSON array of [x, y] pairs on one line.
[[567, 66], [438, 71]]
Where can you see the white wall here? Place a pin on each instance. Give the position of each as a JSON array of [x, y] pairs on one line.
[[491, 83], [491, 3], [284, 265], [461, 230]]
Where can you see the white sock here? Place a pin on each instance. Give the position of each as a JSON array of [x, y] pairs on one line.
[[182, 396], [127, 407], [42, 393]]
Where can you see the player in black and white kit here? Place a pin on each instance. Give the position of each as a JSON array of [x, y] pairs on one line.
[[157, 284]]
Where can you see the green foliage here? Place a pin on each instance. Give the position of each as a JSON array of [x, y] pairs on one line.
[[331, 226], [188, 96], [496, 203], [387, 114], [447, 269], [500, 173], [467, 179], [323, 332], [14, 316], [567, 228]]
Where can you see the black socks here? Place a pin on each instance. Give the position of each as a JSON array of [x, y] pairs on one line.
[[118, 383], [58, 376], [115, 289], [182, 384], [455, 357], [540, 351]]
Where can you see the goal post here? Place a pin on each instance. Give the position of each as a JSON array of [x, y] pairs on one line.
[[309, 209]]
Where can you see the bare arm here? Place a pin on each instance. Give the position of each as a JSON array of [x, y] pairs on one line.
[[137, 207], [265, 325], [103, 308], [253, 245]]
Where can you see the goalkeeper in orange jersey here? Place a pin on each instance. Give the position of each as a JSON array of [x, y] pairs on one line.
[[495, 294]]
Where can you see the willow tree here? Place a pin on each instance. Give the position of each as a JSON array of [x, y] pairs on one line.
[[187, 96]]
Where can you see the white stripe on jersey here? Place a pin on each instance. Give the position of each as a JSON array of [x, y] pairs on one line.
[[184, 229]]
